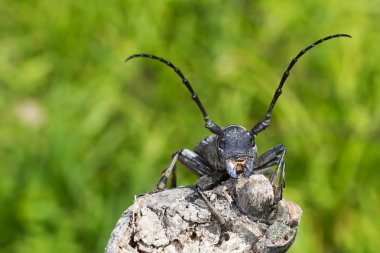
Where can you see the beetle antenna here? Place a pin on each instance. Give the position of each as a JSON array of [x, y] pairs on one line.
[[264, 123], [209, 124]]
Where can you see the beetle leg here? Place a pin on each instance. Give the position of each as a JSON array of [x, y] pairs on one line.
[[208, 179], [190, 160], [173, 182], [281, 183], [165, 174], [268, 157], [274, 156], [280, 164], [218, 217]]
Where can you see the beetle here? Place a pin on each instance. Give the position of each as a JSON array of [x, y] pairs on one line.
[[230, 151]]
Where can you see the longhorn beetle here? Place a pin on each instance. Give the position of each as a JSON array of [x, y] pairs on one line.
[[230, 150]]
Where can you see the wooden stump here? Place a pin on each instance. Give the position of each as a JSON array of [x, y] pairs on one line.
[[177, 220]]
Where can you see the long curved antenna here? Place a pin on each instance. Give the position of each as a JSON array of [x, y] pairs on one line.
[[209, 124], [264, 123]]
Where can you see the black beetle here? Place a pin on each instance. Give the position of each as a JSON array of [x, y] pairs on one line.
[[230, 150]]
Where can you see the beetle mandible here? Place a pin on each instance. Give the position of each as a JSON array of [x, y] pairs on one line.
[[230, 150]]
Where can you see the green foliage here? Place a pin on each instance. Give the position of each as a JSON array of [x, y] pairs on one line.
[[81, 132]]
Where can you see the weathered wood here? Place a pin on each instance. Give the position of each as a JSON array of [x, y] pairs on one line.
[[177, 220]]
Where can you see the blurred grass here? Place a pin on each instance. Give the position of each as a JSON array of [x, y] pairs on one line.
[[81, 132]]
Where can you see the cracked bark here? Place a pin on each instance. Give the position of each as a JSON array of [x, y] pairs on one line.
[[177, 220]]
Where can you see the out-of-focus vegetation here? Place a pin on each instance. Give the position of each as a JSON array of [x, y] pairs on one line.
[[81, 132]]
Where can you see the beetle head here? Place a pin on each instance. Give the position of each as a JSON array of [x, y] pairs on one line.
[[237, 150]]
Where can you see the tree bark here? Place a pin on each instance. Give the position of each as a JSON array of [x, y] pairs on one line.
[[178, 220]]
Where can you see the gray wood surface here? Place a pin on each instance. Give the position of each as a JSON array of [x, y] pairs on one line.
[[177, 220]]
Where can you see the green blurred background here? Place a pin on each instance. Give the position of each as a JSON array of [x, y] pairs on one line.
[[81, 132]]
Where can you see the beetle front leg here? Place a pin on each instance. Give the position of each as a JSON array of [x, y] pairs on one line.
[[190, 160], [281, 182], [166, 173], [209, 178], [274, 156], [218, 217]]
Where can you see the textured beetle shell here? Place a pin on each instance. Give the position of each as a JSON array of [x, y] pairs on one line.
[[207, 149]]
